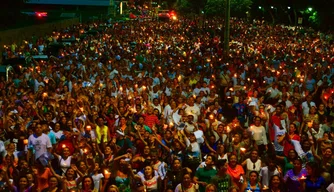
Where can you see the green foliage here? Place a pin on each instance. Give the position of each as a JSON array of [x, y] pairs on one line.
[[213, 7]]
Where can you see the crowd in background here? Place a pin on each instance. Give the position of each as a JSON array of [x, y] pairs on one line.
[[154, 106]]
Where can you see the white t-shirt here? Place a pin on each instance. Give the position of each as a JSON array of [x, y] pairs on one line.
[[39, 144], [194, 110], [97, 179], [330, 188], [65, 164], [192, 188], [266, 175]]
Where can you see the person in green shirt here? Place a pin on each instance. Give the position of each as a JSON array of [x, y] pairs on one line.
[[203, 175], [222, 180]]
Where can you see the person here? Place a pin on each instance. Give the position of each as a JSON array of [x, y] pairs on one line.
[[211, 188], [186, 185], [88, 184], [40, 142], [54, 185], [314, 181], [222, 180], [235, 171], [267, 172], [204, 174], [292, 177], [276, 184], [252, 184], [259, 135]]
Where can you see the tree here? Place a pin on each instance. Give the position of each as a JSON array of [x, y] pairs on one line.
[[217, 7]]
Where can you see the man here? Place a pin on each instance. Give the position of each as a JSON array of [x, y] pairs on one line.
[[203, 175], [222, 180], [102, 131], [306, 105], [268, 171], [192, 109], [39, 142]]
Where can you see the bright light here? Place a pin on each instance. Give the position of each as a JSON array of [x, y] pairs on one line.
[[174, 17], [310, 8], [272, 7], [260, 7], [289, 7], [41, 14]]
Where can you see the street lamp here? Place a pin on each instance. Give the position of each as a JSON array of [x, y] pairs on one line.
[[260, 7], [289, 7], [272, 7], [310, 8]]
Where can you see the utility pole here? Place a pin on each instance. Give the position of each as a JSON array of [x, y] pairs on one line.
[[227, 30]]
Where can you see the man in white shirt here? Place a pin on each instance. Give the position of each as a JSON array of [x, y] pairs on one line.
[[306, 105], [39, 142], [192, 109], [268, 171]]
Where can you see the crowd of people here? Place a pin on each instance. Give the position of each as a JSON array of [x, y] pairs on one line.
[[155, 106]]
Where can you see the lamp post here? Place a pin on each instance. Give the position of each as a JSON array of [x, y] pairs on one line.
[[227, 31]]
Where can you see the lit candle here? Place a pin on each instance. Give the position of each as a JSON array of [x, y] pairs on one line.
[[228, 129], [25, 142], [242, 149], [107, 174], [45, 94], [88, 128], [63, 146], [265, 187], [171, 124], [303, 177], [211, 117]]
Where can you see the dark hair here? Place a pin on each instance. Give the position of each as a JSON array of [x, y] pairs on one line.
[[221, 163], [212, 157], [315, 168], [271, 180], [257, 174], [89, 177]]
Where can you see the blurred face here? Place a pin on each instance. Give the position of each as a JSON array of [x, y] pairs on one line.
[[209, 161], [30, 178], [186, 179], [254, 155], [297, 165], [177, 164], [148, 171], [309, 170], [292, 128], [23, 182], [53, 182], [328, 153], [233, 160], [210, 189], [292, 154], [87, 183], [253, 177], [275, 181], [66, 152], [70, 172]]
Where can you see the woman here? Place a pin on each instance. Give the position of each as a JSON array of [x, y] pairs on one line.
[[23, 185], [253, 163], [288, 161], [293, 132], [259, 135], [175, 174], [313, 181], [151, 182], [88, 184], [253, 183], [42, 174], [275, 184], [221, 154], [292, 177], [247, 143], [53, 185], [235, 171], [322, 113], [186, 185], [326, 162], [64, 160], [211, 188]]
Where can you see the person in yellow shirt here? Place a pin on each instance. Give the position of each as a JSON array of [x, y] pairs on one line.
[[102, 131]]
